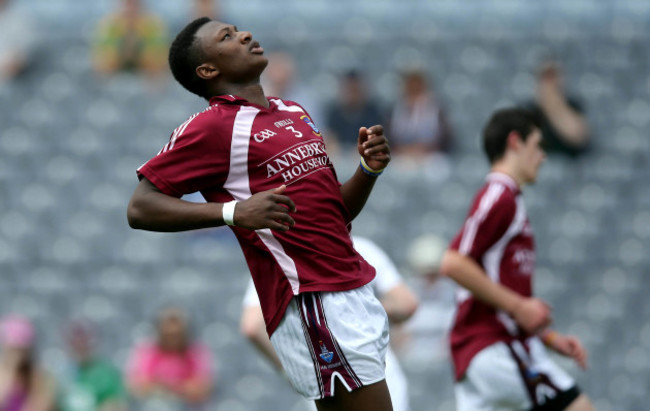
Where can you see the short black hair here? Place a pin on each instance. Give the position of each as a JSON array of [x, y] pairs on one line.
[[185, 55], [502, 122]]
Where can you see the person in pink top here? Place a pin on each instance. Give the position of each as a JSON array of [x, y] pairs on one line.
[[174, 367], [24, 386]]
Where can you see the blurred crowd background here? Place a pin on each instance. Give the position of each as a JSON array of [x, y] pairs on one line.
[[89, 305]]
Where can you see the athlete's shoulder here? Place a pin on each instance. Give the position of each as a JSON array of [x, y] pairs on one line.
[[490, 215], [213, 115], [211, 125], [287, 105], [498, 188], [493, 197], [501, 192], [504, 197], [213, 119]]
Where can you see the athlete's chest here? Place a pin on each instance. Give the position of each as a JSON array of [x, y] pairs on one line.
[[520, 252], [285, 147], [276, 131]]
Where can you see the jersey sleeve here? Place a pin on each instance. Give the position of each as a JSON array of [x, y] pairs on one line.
[[488, 220], [387, 277], [195, 158]]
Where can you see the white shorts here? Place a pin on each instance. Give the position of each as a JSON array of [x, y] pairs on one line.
[[329, 335], [508, 377]]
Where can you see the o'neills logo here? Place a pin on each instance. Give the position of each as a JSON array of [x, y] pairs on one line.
[[298, 161]]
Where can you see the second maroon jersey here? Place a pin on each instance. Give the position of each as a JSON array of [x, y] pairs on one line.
[[498, 236], [235, 149]]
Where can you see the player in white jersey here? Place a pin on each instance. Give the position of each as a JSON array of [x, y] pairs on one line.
[[398, 300]]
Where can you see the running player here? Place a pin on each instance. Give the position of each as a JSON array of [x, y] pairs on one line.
[[500, 330], [398, 300], [261, 165]]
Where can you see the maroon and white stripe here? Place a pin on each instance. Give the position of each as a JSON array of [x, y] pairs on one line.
[[488, 200], [538, 384], [493, 257], [317, 334], [284, 107], [238, 185], [178, 132]]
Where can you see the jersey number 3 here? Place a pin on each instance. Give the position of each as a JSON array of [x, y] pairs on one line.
[[297, 133]]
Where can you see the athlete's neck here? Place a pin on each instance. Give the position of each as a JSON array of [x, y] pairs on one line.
[[504, 169], [251, 92]]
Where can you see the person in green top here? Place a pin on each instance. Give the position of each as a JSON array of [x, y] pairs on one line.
[[131, 39], [95, 384]]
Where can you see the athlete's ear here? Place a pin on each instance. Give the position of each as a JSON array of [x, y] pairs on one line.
[[514, 140], [207, 71]]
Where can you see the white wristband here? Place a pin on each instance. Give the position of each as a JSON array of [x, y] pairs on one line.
[[228, 212]]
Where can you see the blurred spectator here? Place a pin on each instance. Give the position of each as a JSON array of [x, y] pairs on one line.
[[17, 40], [280, 80], [132, 39], [564, 128], [352, 109], [425, 339], [24, 386], [207, 8], [174, 370], [418, 125], [194, 9], [96, 384]]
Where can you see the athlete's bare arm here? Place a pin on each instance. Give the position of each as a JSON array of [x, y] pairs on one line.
[[252, 326], [532, 314], [400, 303], [571, 124], [373, 147], [152, 210], [567, 345]]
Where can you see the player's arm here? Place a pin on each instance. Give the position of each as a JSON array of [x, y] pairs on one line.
[[570, 123], [252, 327], [400, 303], [531, 314], [375, 151], [152, 210], [567, 345]]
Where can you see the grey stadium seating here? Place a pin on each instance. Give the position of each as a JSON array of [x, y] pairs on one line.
[[70, 143]]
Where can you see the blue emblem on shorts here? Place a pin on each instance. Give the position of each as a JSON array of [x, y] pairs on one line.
[[531, 374], [325, 354]]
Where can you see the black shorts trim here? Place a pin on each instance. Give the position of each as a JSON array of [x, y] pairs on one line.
[[561, 401]]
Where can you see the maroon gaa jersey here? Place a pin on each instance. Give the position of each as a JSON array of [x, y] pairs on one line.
[[498, 236], [235, 149]]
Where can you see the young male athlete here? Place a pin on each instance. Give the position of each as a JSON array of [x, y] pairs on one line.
[[498, 337], [262, 167], [388, 285]]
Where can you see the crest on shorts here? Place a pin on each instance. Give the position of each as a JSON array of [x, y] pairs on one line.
[[311, 124], [325, 354]]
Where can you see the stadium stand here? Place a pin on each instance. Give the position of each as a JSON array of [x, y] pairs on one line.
[[70, 144]]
